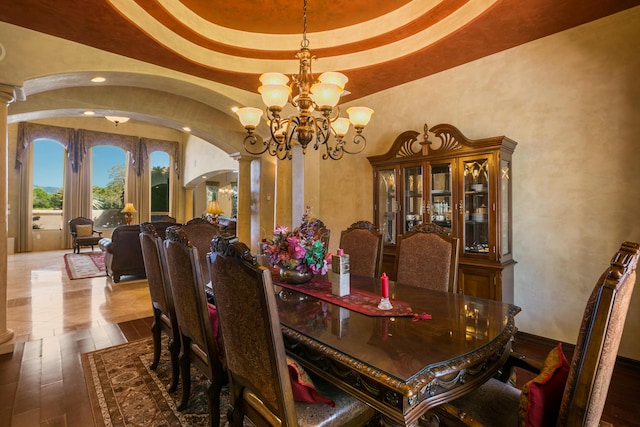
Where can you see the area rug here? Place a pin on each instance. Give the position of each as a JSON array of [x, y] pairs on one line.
[[124, 391], [83, 266]]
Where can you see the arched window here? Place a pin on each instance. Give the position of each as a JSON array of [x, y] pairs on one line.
[[160, 184], [48, 179], [108, 181]]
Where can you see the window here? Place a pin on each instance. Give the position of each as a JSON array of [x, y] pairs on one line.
[[48, 178], [160, 178], [108, 178]]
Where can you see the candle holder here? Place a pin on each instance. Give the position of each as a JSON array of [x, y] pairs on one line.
[[385, 304]]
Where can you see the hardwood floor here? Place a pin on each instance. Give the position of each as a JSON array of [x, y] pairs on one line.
[[57, 319]]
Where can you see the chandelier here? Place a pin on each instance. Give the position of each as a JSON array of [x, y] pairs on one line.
[[307, 95]]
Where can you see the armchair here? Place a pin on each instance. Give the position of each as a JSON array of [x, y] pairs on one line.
[[563, 394], [83, 234]]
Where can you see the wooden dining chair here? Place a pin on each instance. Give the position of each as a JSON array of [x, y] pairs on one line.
[[363, 243], [261, 386], [200, 232], [562, 394], [427, 256], [164, 314], [197, 321]]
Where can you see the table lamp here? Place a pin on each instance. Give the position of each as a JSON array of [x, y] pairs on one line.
[[128, 211]]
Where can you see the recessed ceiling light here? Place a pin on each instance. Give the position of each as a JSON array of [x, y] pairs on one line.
[[204, 176], [235, 109], [89, 113], [98, 79], [186, 129]]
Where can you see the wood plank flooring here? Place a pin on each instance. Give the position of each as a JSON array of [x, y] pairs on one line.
[[56, 320]]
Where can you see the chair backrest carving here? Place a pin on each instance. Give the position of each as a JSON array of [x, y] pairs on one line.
[[363, 243], [599, 338], [427, 256], [250, 328]]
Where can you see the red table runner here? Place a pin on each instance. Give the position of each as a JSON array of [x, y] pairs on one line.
[[359, 301]]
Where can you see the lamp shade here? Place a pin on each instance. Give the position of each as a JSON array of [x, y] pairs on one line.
[[213, 208], [341, 126], [249, 116], [359, 116], [128, 208], [274, 79], [335, 78], [326, 94], [274, 95]]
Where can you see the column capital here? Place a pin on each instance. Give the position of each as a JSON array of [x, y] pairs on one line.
[[7, 93], [243, 157]]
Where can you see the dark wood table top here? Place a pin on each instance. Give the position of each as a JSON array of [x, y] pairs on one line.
[[400, 365]]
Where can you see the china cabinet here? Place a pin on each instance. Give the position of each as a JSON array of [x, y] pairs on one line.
[[462, 185]]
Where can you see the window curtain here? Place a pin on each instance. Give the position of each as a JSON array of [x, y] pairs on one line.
[[27, 133], [77, 181]]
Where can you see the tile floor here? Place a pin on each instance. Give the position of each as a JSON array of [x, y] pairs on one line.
[[42, 301]]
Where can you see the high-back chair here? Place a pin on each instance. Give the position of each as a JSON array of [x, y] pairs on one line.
[[83, 234], [427, 256], [195, 318], [200, 232], [254, 348], [363, 243], [164, 314], [562, 394]]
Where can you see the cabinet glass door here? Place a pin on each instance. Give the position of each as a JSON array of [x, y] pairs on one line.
[[476, 205], [441, 196], [505, 219], [387, 205], [413, 202]]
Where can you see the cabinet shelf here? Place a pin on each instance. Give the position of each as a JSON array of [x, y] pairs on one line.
[[468, 181]]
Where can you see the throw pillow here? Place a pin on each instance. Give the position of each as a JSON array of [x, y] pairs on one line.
[[541, 397], [302, 386], [84, 230]]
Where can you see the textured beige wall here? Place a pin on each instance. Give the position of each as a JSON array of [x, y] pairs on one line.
[[572, 102]]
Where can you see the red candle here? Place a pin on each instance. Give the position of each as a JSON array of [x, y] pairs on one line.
[[384, 281]]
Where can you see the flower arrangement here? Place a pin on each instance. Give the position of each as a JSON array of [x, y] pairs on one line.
[[301, 249]]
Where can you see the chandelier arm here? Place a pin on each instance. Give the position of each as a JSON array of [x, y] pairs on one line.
[[357, 140], [251, 141]]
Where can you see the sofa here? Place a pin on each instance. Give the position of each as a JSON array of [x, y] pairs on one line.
[[123, 253]]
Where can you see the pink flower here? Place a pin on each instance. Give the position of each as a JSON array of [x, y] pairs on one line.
[[281, 229]]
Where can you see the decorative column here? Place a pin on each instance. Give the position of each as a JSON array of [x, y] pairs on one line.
[[243, 225], [7, 96]]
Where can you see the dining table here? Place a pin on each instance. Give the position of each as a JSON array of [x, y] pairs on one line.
[[429, 348]]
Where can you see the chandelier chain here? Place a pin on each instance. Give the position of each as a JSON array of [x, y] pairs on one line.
[[304, 43]]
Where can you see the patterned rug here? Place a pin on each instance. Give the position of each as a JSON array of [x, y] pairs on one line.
[[84, 265], [124, 391]]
